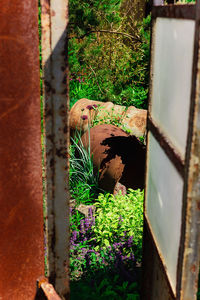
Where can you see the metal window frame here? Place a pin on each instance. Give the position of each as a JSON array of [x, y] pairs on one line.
[[54, 21], [187, 263]]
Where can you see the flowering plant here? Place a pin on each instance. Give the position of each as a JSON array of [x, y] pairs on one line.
[[117, 215]]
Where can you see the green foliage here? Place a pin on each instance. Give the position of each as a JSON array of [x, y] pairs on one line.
[[118, 214], [87, 15], [105, 285], [102, 116], [186, 1], [114, 66], [75, 220], [82, 89]]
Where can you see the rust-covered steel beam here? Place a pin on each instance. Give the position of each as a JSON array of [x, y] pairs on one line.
[[54, 53], [47, 289], [21, 216]]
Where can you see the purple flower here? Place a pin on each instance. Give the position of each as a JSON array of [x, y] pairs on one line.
[[87, 222], [89, 107], [130, 241], [84, 117], [74, 235], [115, 246], [90, 212], [82, 226]]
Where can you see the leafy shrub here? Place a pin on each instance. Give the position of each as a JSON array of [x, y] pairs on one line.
[[102, 273], [119, 216]]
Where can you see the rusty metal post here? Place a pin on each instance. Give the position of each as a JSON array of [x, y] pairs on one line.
[[54, 54], [47, 288], [21, 216]]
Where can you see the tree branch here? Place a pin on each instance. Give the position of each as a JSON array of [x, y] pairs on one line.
[[107, 31]]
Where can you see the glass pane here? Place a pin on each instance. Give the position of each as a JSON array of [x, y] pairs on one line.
[[164, 205], [172, 69]]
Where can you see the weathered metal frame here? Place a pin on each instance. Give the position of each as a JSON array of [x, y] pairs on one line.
[[165, 144], [21, 215], [180, 11], [187, 270], [46, 290], [54, 20], [189, 169]]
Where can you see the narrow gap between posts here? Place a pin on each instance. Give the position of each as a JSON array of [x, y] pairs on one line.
[[42, 139], [108, 48]]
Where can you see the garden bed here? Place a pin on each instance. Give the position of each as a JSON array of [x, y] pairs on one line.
[[106, 248], [106, 234]]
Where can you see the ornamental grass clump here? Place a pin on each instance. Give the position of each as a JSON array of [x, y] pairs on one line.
[[83, 180]]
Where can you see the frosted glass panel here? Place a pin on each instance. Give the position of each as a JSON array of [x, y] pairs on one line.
[[164, 205], [172, 71]]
